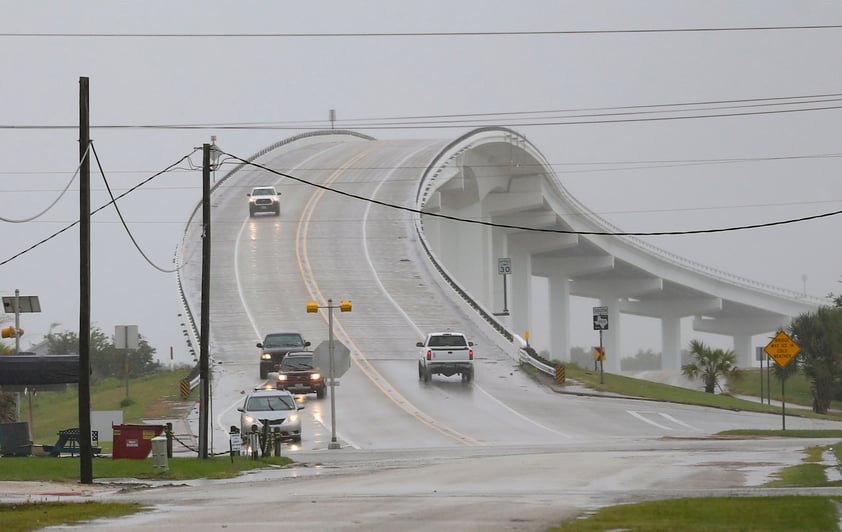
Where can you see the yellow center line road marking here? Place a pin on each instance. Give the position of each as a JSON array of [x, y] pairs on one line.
[[360, 360]]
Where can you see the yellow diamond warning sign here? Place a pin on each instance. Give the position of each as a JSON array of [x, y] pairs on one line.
[[782, 349]]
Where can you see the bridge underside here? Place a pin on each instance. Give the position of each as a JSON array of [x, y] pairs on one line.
[[498, 178]]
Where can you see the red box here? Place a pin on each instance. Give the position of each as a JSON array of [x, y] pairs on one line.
[[134, 441]]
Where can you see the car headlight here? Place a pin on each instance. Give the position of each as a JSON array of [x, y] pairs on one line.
[[250, 420], [315, 376], [282, 377], [293, 418], [266, 356]]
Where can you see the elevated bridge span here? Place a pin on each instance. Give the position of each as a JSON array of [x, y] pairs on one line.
[[522, 211]]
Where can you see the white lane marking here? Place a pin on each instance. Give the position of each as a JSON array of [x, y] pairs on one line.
[[518, 414], [647, 420], [237, 247], [679, 422], [406, 316], [365, 243]]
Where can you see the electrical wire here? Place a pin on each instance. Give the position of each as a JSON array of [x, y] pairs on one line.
[[560, 168], [233, 35], [533, 229], [51, 205], [595, 115], [123, 220], [408, 209], [73, 224]]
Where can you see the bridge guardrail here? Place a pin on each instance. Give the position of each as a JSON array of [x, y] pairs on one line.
[[525, 358]]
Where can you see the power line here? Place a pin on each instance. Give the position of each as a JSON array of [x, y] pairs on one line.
[[560, 168], [533, 33], [123, 221], [534, 229], [75, 223], [51, 205], [515, 118], [414, 211]]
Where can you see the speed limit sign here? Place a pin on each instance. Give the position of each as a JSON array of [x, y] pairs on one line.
[[504, 266]]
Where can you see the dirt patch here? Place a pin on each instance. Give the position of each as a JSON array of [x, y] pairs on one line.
[[169, 409]]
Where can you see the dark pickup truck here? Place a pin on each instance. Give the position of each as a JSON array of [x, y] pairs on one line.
[[298, 374], [274, 348]]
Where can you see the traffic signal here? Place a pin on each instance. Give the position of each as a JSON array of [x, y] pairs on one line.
[[9, 332], [312, 306], [345, 306]]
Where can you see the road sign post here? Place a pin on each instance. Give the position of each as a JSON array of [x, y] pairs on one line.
[[600, 323], [782, 349], [504, 268]]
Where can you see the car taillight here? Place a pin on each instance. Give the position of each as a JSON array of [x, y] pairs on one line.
[[470, 354], [429, 354]]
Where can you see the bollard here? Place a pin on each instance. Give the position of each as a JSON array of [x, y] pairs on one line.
[[169, 440], [254, 442], [265, 449], [276, 435]]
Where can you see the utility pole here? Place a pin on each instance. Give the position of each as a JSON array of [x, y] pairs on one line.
[[204, 334], [86, 474]]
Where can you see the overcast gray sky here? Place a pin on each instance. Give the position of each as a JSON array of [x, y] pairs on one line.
[[659, 175]]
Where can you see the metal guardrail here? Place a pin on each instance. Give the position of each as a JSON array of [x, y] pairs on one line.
[[525, 358]]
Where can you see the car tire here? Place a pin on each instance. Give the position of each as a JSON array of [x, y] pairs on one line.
[[428, 375], [251, 213], [263, 373], [420, 372], [278, 211], [321, 393], [468, 376]]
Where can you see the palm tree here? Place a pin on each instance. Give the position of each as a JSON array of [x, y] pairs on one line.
[[710, 365]]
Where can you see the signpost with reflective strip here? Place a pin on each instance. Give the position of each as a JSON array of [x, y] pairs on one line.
[[782, 349], [559, 375]]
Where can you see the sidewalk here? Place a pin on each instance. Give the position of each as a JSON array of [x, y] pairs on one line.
[[182, 420]]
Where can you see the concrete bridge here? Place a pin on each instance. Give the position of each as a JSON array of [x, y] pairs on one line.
[[496, 177]]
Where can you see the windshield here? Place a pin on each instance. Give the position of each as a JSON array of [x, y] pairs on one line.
[[270, 402], [297, 363], [448, 340], [284, 340], [263, 192]]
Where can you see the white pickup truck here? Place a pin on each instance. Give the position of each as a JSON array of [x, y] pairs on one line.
[[446, 353]]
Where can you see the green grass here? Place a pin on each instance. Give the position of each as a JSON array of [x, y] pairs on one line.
[[664, 392], [797, 387], [768, 514], [36, 515], [32, 468], [149, 398]]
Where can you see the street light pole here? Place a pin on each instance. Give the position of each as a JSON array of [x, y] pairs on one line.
[[344, 306], [333, 443]]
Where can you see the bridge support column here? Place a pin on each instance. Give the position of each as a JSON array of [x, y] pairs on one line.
[[559, 318], [744, 351], [671, 343], [519, 297]]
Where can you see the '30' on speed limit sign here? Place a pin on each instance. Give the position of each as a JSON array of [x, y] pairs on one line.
[[504, 266]]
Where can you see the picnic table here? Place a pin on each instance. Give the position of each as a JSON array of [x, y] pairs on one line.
[[68, 442]]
